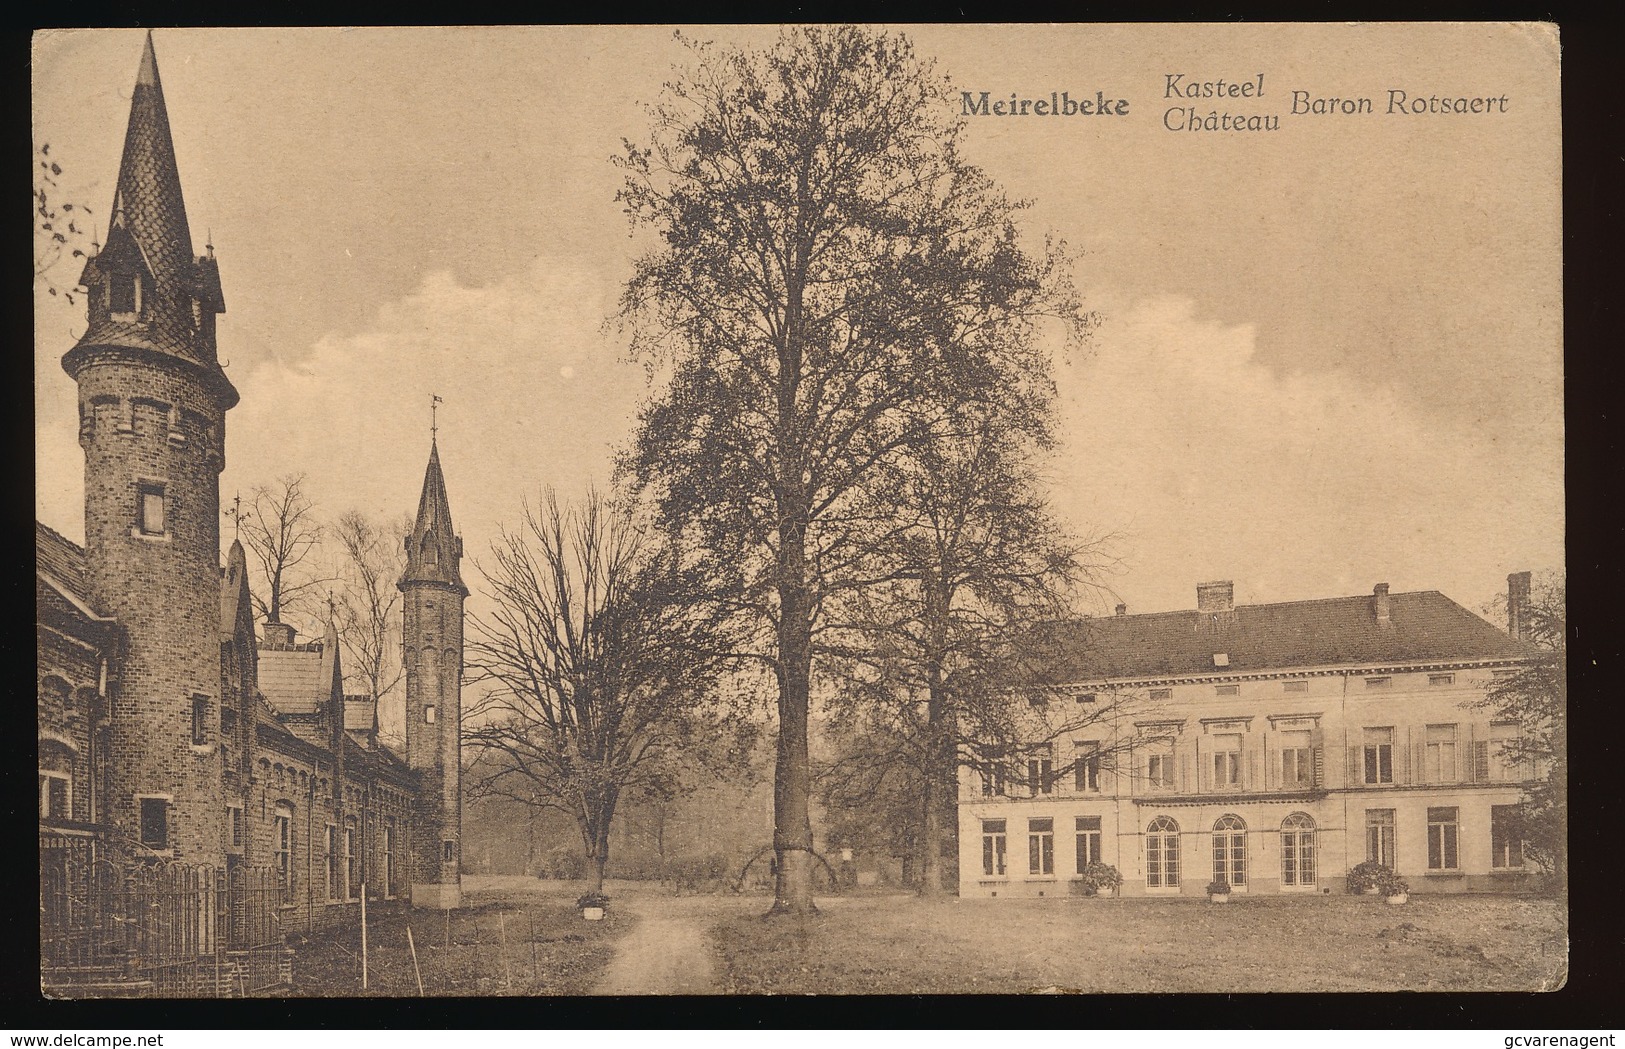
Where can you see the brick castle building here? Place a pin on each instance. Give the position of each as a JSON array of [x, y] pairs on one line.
[[168, 732]]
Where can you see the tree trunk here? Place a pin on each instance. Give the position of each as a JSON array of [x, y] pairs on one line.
[[930, 797], [792, 781]]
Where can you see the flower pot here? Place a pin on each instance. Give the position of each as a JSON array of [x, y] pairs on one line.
[[593, 914], [1219, 897], [1398, 898]]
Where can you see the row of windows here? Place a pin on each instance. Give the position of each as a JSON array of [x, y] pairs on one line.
[[1229, 845], [1442, 756], [1372, 683]]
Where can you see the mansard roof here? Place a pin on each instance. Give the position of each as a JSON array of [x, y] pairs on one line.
[[1423, 627]]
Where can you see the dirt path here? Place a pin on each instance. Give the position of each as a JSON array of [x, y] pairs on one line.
[[668, 952]]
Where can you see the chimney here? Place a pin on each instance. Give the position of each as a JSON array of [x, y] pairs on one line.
[[1518, 605], [1219, 596], [1379, 598], [1122, 610], [277, 633]]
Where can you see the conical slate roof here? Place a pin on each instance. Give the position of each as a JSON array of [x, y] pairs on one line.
[[433, 549], [148, 230]]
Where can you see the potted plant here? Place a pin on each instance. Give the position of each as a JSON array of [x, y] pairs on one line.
[[1098, 877], [1218, 890], [592, 905], [1368, 878], [1397, 890]]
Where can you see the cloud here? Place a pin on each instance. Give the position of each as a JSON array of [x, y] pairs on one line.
[[1297, 485], [534, 394]]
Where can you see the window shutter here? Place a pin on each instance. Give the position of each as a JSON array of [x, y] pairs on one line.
[[1320, 765], [1402, 760], [1252, 781], [1185, 786], [1354, 767], [1272, 764], [1481, 761]]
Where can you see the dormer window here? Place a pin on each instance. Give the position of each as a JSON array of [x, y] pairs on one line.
[[124, 293]]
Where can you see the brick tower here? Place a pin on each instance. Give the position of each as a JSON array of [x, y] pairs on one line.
[[432, 624], [152, 422]]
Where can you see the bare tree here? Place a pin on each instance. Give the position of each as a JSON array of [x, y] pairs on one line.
[[598, 674], [369, 603], [56, 224], [283, 534], [831, 271]]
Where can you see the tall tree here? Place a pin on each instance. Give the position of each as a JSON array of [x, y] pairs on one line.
[[978, 568], [1535, 697], [371, 559], [831, 272], [597, 671], [283, 534]]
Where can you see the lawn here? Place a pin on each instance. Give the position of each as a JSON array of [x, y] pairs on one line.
[[513, 936], [903, 945]]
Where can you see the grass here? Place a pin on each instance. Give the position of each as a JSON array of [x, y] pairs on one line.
[[904, 945], [514, 936]]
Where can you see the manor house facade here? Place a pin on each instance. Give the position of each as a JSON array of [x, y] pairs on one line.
[[1277, 745]]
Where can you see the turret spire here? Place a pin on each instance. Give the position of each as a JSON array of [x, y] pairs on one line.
[[434, 549], [148, 292]]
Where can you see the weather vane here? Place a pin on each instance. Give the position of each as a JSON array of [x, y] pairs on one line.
[[236, 515], [434, 421]]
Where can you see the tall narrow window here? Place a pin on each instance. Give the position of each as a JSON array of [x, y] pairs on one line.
[[1441, 754], [1226, 760], [993, 848], [282, 849], [1041, 846], [1298, 851], [1297, 758], [55, 796], [449, 851], [1041, 770], [1378, 755], [1086, 770], [150, 512], [993, 779], [1159, 769], [1230, 850], [1379, 836], [1088, 841], [155, 823], [389, 859], [428, 714], [1443, 839], [234, 826], [1506, 848], [352, 879], [1162, 854], [200, 719], [332, 863], [1501, 753]]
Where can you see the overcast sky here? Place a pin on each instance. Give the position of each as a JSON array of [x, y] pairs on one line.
[[1330, 355]]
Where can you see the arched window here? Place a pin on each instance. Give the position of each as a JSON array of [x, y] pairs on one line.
[[1162, 854], [1298, 852], [1230, 850], [54, 691]]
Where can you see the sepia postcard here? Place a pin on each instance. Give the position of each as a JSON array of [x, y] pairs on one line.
[[958, 492]]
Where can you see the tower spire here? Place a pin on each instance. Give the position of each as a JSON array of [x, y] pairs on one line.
[[149, 293], [434, 549]]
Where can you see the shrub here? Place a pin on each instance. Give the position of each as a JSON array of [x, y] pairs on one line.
[[1368, 875], [592, 899], [1098, 876], [1396, 886], [1219, 886]]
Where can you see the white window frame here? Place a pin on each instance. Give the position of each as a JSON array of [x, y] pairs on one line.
[[167, 848], [1088, 841], [1041, 846], [1162, 871], [1372, 754], [995, 848], [1230, 850], [1441, 754], [1446, 832], [1299, 861], [1502, 844], [1382, 837], [48, 777]]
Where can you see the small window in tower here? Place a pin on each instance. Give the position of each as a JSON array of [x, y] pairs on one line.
[[151, 509], [155, 822], [450, 850], [200, 720], [121, 293], [428, 714]]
